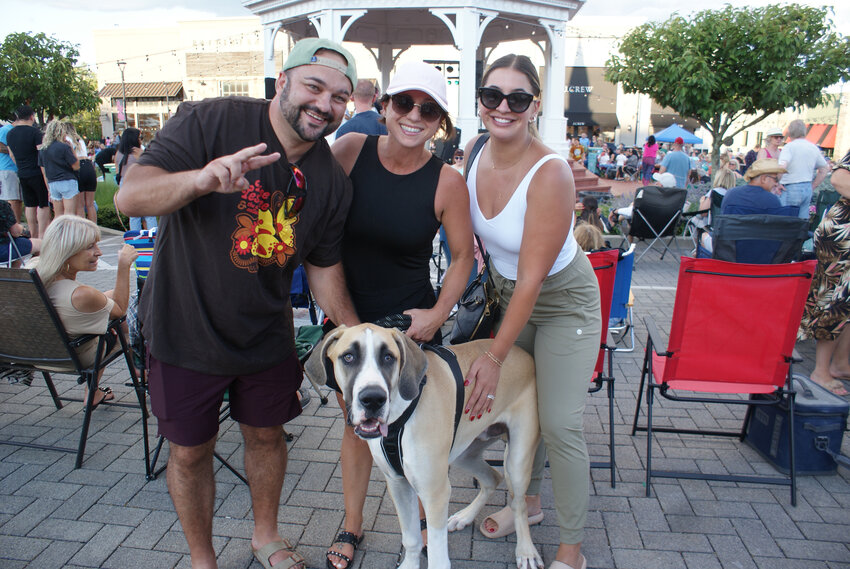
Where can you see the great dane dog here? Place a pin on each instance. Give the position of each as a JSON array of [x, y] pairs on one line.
[[380, 372]]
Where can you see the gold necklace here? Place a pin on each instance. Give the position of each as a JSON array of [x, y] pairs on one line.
[[515, 162]]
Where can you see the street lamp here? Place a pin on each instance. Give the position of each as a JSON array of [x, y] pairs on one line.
[[121, 65]]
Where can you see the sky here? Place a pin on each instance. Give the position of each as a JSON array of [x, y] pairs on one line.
[[74, 21]]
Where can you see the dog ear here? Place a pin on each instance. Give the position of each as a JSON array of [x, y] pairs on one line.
[[411, 367], [318, 366]]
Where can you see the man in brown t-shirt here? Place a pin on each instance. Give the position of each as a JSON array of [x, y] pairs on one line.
[[216, 314]]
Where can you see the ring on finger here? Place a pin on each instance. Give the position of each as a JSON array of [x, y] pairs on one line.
[[490, 396]]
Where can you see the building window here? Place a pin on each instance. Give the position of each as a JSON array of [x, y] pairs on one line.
[[234, 89]]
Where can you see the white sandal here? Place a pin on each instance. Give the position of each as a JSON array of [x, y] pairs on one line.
[[562, 565]]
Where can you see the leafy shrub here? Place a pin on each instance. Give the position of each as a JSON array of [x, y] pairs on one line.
[[108, 217]]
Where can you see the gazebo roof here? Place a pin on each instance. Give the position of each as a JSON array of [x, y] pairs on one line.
[[388, 27], [409, 22]]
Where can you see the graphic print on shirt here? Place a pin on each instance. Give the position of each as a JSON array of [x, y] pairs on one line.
[[264, 235]]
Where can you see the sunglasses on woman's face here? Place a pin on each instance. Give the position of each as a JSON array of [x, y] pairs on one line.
[[492, 98], [429, 110], [300, 182]]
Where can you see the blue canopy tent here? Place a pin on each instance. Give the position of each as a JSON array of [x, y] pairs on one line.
[[674, 131]]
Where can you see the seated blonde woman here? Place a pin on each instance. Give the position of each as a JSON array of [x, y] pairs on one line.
[[70, 246], [588, 237]]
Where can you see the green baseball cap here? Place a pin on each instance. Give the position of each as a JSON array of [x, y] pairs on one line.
[[304, 53]]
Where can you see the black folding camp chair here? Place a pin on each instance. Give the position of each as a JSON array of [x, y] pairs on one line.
[[33, 338], [824, 200], [697, 225], [656, 214], [759, 239]]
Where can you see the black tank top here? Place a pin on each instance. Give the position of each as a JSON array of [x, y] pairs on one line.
[[389, 235]]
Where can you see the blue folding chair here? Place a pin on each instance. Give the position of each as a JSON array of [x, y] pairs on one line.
[[300, 295], [621, 324]]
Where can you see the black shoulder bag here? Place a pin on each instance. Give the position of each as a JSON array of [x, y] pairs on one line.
[[478, 307]]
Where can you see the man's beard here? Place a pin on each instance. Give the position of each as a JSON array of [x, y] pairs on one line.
[[292, 114]]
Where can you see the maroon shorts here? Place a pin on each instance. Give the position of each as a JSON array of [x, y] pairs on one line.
[[187, 403]]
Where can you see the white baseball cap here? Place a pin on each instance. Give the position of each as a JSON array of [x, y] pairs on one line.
[[419, 76], [667, 180]]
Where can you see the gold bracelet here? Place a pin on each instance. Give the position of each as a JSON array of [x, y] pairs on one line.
[[494, 359]]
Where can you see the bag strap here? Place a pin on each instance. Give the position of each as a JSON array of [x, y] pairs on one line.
[[476, 148], [481, 246]]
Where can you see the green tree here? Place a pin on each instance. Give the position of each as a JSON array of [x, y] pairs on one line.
[[725, 64], [87, 124], [41, 71]]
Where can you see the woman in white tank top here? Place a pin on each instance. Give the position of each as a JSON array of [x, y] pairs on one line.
[[522, 199]]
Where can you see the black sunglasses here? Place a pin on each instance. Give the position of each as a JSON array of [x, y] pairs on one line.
[[429, 110], [492, 98], [291, 208]]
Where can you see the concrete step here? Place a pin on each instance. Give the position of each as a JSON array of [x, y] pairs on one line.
[[586, 181]]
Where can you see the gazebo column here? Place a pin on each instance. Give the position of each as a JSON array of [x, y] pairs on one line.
[[269, 68], [385, 58], [553, 125], [386, 61], [467, 29]]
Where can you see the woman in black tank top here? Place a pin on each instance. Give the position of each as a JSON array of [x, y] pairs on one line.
[[402, 194]]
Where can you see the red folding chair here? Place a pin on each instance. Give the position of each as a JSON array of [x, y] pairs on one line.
[[605, 268], [732, 335]]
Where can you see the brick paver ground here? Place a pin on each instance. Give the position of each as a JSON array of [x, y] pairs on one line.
[[107, 515]]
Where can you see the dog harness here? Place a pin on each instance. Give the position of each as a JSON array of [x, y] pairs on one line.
[[391, 444]]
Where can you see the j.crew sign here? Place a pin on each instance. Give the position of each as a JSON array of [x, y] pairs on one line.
[[578, 89]]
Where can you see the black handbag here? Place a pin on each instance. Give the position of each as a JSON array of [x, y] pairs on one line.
[[477, 309]]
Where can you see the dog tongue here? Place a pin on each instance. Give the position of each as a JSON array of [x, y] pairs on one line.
[[384, 429]]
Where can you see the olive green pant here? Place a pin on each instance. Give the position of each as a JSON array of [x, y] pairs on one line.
[[563, 334]]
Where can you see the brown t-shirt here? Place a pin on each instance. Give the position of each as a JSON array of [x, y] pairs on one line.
[[217, 297]]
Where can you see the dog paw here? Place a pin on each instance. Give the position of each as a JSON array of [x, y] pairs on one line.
[[409, 562], [529, 560], [459, 521]]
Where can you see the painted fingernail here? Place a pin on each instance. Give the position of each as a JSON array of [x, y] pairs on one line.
[[479, 415], [465, 382], [467, 411], [472, 417]]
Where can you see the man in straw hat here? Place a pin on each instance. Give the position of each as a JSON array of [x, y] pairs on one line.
[[247, 190], [757, 197]]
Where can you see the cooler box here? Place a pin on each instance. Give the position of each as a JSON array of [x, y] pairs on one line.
[[143, 241], [818, 413]]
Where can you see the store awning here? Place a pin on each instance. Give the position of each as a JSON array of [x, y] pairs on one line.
[[606, 121], [158, 89], [822, 135], [662, 117], [590, 100]]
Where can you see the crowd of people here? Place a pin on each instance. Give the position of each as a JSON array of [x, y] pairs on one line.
[[260, 188], [50, 172]]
